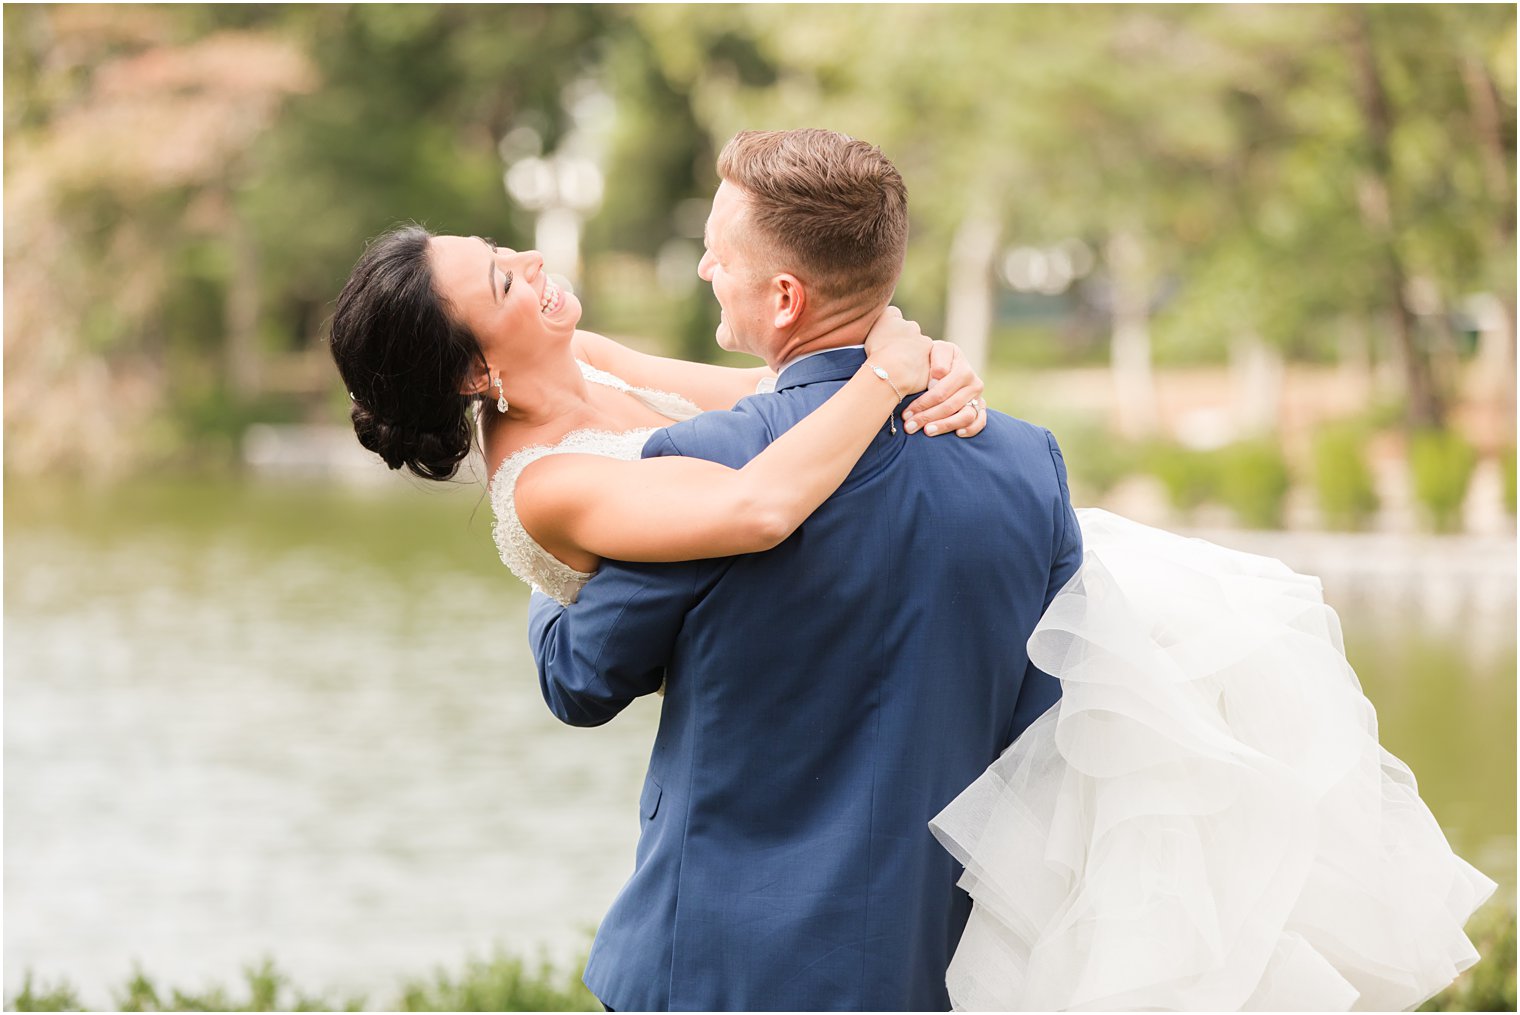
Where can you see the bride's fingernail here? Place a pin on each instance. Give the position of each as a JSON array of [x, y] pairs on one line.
[[931, 429], [911, 427], [907, 415]]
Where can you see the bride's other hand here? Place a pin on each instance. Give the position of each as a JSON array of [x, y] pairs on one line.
[[902, 349], [954, 399]]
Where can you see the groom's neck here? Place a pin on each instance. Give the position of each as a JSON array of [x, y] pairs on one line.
[[835, 328]]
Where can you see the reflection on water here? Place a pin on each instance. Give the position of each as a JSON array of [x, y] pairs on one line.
[[249, 720]]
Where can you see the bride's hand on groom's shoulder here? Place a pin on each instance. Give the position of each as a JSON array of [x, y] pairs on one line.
[[954, 399]]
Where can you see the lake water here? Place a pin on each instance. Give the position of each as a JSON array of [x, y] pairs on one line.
[[260, 719]]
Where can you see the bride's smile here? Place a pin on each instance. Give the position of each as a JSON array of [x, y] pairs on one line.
[[505, 296]]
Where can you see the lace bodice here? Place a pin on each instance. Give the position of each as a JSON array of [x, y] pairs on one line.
[[526, 559]]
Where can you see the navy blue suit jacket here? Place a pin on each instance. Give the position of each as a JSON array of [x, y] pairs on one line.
[[824, 700]]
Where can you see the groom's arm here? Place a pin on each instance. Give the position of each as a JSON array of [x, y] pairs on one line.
[[1040, 690], [613, 643]]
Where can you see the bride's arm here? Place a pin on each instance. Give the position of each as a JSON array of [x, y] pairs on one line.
[[666, 509], [953, 385], [709, 386]]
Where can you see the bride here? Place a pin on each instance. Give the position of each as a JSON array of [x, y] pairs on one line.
[[428, 325], [1205, 821]]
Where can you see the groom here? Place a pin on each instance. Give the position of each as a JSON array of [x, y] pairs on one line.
[[826, 698]]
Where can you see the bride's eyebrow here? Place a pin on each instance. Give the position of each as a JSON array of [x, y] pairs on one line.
[[491, 269]]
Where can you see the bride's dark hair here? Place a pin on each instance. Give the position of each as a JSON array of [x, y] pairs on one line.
[[404, 357]]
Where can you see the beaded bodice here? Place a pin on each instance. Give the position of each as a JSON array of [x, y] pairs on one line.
[[526, 559]]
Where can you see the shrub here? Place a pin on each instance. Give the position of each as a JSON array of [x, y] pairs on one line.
[[1095, 459], [1252, 480], [1442, 463], [1250, 477], [268, 990], [1190, 477], [503, 983], [1342, 479], [55, 998]]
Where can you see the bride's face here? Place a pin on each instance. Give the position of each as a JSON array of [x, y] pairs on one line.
[[502, 295]]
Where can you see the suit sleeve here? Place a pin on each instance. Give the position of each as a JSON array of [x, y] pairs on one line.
[[1040, 690], [613, 644]]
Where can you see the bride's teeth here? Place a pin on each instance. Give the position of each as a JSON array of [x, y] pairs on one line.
[[550, 300]]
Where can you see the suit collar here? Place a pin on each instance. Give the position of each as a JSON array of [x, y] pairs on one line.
[[831, 365]]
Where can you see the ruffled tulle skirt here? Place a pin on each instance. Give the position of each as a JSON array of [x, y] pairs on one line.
[[1206, 821]]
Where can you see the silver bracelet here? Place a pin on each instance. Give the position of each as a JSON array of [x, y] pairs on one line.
[[891, 417]]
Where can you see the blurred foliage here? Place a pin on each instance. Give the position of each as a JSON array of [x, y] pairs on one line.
[[41, 997], [501, 983], [1441, 463], [1095, 460], [267, 990], [1253, 482], [1249, 477], [1285, 174], [214, 419], [1342, 478], [1065, 341], [1190, 477], [1276, 183]]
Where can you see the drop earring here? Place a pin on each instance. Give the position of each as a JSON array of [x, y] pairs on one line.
[[501, 397]]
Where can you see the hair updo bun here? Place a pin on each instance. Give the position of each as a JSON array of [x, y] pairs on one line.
[[404, 359], [431, 454]]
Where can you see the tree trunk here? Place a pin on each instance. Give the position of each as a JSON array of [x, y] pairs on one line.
[[1130, 353], [245, 375], [1483, 98], [969, 291], [1425, 409], [1355, 360], [1258, 373]]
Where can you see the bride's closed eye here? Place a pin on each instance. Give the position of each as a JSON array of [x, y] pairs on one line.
[[506, 284]]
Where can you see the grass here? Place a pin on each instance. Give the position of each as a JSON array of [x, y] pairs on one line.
[[507, 983], [499, 983]]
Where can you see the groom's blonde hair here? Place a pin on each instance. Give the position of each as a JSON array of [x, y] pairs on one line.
[[829, 208]]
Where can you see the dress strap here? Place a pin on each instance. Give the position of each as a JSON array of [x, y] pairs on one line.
[[667, 403]]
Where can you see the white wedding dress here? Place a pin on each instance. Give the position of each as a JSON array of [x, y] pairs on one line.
[[531, 563], [1205, 822]]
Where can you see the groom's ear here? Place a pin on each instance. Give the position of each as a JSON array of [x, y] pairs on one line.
[[789, 299]]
